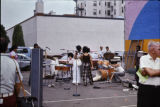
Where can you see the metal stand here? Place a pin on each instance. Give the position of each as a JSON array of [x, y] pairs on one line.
[[67, 88], [76, 94], [36, 76]]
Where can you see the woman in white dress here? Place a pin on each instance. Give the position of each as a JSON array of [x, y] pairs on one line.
[[75, 68]]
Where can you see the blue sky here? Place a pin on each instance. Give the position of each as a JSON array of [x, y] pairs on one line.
[[15, 11]]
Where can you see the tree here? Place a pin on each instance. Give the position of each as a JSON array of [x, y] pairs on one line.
[[17, 38], [3, 33]]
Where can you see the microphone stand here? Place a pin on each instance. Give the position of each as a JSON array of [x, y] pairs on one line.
[[67, 88], [76, 94]]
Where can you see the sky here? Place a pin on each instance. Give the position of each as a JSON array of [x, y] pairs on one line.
[[16, 11]]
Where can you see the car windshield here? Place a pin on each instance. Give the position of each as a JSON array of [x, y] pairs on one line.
[[22, 57], [25, 51], [22, 51], [19, 51]]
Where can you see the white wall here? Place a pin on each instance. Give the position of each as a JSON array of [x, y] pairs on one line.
[[9, 34], [29, 32], [67, 32]]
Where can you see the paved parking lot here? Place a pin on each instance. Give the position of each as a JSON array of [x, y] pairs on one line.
[[107, 95]]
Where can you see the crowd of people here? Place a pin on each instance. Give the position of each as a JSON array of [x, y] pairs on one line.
[[82, 66], [82, 62]]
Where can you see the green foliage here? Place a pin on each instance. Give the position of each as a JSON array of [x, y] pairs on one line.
[[3, 33], [17, 38]]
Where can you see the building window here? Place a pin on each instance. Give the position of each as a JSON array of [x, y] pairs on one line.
[[95, 12], [122, 1], [108, 12], [105, 12], [112, 8], [114, 12], [95, 3], [99, 11], [109, 4], [105, 3], [99, 2], [122, 10], [85, 5]]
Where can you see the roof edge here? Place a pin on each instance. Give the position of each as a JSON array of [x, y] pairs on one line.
[[67, 16]]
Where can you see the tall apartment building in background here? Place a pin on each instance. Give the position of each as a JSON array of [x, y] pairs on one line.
[[100, 8]]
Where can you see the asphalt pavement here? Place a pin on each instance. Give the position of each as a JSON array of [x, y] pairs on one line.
[[104, 95]]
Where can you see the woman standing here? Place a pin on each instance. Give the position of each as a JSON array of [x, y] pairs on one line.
[[87, 66], [75, 68]]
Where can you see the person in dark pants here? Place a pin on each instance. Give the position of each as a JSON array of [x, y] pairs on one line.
[[87, 66], [149, 89]]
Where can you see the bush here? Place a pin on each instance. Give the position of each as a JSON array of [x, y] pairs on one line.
[[17, 38], [3, 33]]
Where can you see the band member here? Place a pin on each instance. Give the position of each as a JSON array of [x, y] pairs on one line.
[[100, 53], [78, 51], [75, 68], [87, 66], [106, 71]]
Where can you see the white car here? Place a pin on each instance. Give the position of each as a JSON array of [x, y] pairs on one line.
[[24, 61]]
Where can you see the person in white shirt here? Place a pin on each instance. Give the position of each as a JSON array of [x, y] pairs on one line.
[[103, 71], [75, 68], [100, 53], [149, 90], [8, 76], [78, 53]]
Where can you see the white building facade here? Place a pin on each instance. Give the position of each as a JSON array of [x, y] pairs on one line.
[[61, 32], [100, 8]]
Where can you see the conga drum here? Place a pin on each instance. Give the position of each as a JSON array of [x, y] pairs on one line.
[[104, 74], [111, 74]]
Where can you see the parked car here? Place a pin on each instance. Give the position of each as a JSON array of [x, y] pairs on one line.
[[24, 62], [25, 50]]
